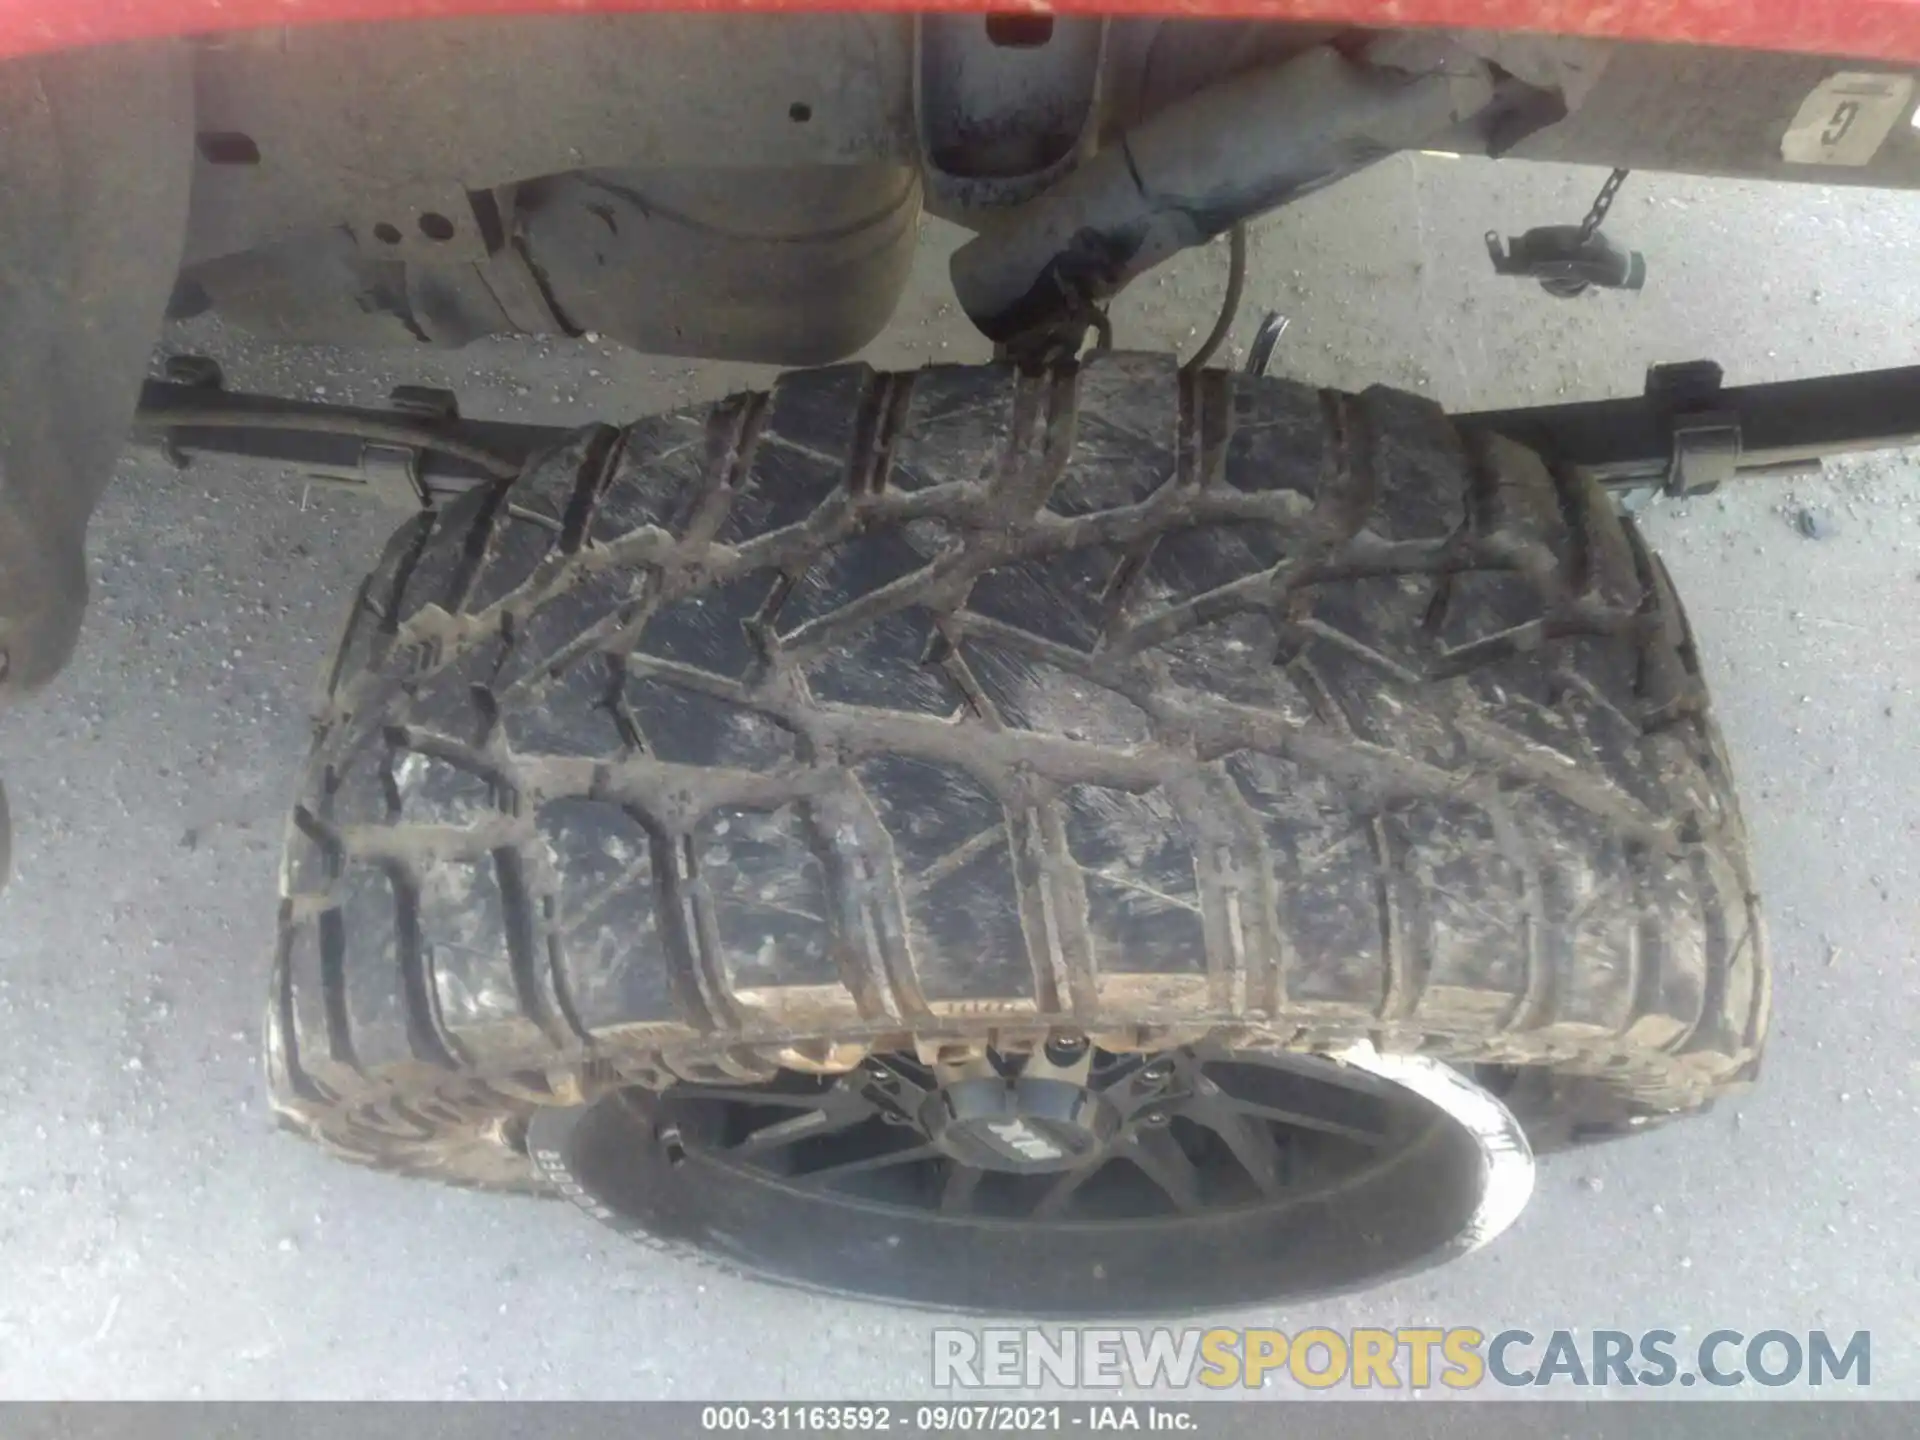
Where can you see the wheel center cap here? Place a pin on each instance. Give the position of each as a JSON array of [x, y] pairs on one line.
[[1022, 1126]]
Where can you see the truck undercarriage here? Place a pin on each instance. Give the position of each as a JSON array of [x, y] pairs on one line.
[[1125, 815]]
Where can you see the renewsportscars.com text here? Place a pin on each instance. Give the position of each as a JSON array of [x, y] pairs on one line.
[[1407, 1358]]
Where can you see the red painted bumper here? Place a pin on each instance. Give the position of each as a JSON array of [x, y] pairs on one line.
[[1877, 29]]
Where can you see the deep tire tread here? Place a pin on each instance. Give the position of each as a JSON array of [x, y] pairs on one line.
[[1284, 632]]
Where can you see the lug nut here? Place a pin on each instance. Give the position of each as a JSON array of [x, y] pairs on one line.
[[1154, 1117], [671, 1145], [1066, 1049], [1158, 1072]]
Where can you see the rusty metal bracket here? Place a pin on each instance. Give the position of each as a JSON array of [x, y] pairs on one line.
[[394, 472], [1706, 452], [1689, 429], [1706, 439], [410, 453]]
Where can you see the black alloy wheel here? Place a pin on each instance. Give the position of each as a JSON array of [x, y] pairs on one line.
[[1058, 1184]]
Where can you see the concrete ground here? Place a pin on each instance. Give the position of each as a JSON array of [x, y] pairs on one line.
[[158, 1238]]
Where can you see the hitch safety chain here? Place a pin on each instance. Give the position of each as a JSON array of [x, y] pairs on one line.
[[1602, 203]]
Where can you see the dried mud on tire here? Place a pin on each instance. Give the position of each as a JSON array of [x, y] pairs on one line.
[[962, 700]]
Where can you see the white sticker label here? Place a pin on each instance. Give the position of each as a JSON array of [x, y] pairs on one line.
[[1847, 119]]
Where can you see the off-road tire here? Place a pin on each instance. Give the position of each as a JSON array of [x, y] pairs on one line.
[[964, 702]]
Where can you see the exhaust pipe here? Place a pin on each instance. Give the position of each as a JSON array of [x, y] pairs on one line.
[[1232, 151]]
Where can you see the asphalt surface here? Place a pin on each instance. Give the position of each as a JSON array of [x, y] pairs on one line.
[[159, 1238]]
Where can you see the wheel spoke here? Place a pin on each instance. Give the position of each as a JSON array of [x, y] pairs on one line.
[[1157, 1153], [1061, 1192], [1249, 1140], [1301, 1119], [1305, 1094], [747, 1095], [905, 1155], [1315, 1071], [956, 1192], [807, 1125]]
